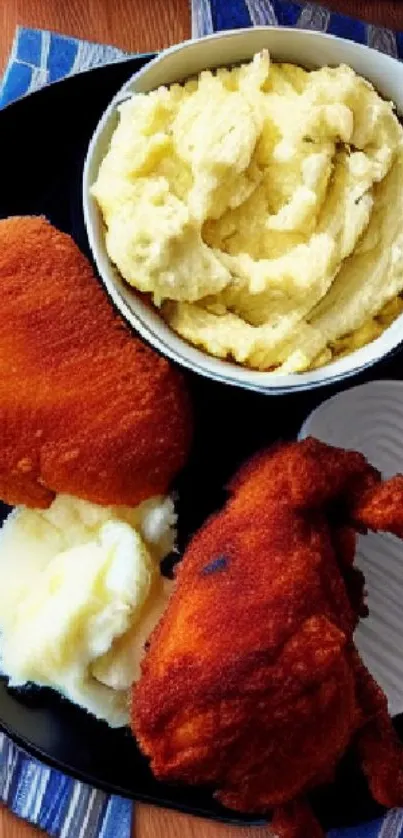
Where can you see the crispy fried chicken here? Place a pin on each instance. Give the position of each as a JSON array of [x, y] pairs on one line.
[[252, 682], [85, 408]]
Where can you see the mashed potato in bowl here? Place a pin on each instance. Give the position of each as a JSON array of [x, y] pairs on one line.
[[261, 207]]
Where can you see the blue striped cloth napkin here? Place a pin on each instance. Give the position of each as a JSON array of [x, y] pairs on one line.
[[212, 15], [61, 806], [38, 58], [56, 803]]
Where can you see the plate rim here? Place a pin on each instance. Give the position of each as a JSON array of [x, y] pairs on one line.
[[21, 742]]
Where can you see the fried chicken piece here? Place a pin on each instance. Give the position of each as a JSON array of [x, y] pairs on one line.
[[252, 683], [379, 507], [85, 408]]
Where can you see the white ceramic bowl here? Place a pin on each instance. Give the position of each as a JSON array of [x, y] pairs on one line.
[[307, 48], [369, 418]]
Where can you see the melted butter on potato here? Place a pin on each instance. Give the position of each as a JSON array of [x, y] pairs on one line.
[[262, 208]]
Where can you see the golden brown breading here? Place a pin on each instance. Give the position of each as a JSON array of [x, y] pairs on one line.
[[252, 683], [85, 407], [379, 506]]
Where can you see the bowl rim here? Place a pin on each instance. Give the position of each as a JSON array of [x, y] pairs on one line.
[[217, 369]]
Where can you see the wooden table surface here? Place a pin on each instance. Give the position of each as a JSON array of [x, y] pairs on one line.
[[143, 25]]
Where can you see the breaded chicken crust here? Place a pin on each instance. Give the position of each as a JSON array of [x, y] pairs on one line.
[[252, 683], [85, 407]]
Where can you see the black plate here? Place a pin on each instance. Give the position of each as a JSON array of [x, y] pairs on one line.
[[44, 140]]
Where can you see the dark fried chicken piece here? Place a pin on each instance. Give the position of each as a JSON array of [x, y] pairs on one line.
[[379, 507], [85, 407], [252, 682]]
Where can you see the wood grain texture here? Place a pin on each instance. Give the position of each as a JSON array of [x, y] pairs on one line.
[[148, 823], [133, 25], [11, 827], [161, 823], [142, 25]]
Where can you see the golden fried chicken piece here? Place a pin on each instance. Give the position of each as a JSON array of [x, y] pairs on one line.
[[252, 682], [85, 407]]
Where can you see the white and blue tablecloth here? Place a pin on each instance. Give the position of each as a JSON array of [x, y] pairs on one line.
[[56, 803]]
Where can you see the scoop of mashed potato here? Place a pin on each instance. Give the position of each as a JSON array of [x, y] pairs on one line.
[[262, 209], [80, 591]]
